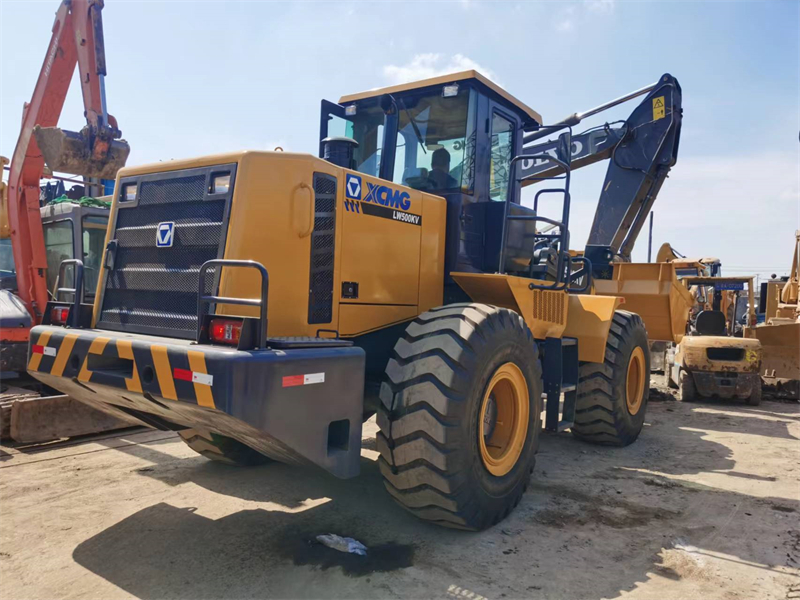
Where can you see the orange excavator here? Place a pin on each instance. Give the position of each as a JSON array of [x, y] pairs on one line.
[[42, 148]]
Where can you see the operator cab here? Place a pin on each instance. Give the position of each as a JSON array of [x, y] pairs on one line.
[[454, 136], [74, 231]]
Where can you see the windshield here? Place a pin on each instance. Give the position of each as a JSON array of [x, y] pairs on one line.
[[435, 148], [435, 151]]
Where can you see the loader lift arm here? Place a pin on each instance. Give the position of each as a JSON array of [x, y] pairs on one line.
[[642, 150], [77, 40]]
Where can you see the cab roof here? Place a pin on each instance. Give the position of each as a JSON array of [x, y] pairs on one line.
[[442, 80]]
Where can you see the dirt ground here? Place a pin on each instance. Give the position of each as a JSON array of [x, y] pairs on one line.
[[706, 504]]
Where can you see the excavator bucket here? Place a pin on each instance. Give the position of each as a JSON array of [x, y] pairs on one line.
[[70, 152], [654, 292]]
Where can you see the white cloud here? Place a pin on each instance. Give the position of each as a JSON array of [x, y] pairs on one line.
[[565, 25], [565, 21], [600, 6], [569, 17], [742, 209], [424, 66]]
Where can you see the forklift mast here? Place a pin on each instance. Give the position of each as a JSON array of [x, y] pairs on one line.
[[642, 149]]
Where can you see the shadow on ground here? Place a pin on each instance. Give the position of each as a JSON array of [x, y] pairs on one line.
[[588, 513]]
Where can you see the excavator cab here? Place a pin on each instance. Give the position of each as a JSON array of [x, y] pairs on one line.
[[74, 231]]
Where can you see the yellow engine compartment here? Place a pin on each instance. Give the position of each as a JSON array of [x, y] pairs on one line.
[[396, 257]]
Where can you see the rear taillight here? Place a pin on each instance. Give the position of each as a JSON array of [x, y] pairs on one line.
[[225, 331], [59, 315]]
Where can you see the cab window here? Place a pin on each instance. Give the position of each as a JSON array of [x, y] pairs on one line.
[[58, 247], [502, 149], [366, 128], [6, 256], [94, 239], [436, 141]]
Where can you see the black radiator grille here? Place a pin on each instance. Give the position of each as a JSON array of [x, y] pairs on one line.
[[725, 353], [151, 289], [320, 296]]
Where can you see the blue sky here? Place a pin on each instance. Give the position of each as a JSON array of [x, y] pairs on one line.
[[192, 78]]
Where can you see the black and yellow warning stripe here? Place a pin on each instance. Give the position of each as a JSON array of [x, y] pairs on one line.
[[152, 372]]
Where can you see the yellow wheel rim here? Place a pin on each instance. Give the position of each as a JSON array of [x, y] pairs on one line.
[[634, 388], [503, 419]]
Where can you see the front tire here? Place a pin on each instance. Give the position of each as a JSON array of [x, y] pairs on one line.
[[460, 415], [222, 449], [612, 395]]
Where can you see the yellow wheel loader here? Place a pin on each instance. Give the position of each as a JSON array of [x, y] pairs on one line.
[[264, 304], [780, 333], [710, 362]]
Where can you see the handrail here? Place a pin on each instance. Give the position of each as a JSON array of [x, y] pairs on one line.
[[202, 298], [558, 243], [563, 224], [78, 290]]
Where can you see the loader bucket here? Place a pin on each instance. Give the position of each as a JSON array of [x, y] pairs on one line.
[[653, 291], [780, 344], [69, 152]]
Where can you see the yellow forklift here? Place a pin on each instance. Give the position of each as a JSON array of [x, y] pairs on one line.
[[264, 304], [711, 361]]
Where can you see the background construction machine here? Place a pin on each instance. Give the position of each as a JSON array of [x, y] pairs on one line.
[[401, 258], [710, 361], [780, 333], [699, 298], [42, 237]]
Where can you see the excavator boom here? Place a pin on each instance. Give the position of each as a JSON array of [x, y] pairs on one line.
[[76, 40], [641, 150]]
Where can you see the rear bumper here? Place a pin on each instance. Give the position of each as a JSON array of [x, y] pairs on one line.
[[726, 385], [300, 405]]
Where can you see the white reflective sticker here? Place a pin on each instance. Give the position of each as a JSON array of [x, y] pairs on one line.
[[202, 378], [49, 351], [313, 378]]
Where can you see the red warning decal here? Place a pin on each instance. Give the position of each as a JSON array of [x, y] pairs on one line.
[[193, 376], [306, 379], [46, 350], [292, 380], [182, 374]]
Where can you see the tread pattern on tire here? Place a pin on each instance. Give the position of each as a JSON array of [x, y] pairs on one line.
[[425, 390], [687, 391], [601, 413], [755, 396], [222, 449]]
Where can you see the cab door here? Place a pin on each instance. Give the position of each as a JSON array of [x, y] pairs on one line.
[[502, 146]]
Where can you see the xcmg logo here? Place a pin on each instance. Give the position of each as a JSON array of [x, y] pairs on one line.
[[377, 194], [386, 196]]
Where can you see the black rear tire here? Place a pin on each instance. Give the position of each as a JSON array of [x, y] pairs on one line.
[[755, 394], [222, 449], [602, 413], [688, 390], [431, 399]]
